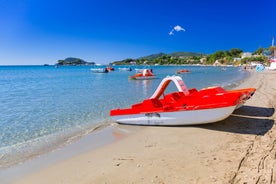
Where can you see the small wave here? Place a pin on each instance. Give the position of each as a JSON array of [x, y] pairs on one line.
[[20, 152]]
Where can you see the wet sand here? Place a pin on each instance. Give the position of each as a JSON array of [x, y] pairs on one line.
[[240, 149]]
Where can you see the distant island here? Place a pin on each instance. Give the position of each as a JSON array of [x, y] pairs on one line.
[[71, 61]]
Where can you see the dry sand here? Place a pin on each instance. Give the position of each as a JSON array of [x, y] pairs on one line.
[[240, 149]]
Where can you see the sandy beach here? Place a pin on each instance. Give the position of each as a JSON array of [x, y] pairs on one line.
[[240, 149]]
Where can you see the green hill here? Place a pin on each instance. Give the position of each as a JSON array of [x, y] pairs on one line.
[[152, 56], [161, 58], [73, 61], [186, 54]]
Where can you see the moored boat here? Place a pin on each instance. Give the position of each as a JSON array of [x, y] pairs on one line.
[[183, 71], [125, 69], [110, 68], [183, 107], [99, 70], [143, 75]]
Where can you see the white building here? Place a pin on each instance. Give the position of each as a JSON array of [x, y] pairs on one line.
[[246, 54]]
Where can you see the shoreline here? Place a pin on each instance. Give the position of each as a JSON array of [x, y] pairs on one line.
[[213, 153], [92, 141], [15, 154]]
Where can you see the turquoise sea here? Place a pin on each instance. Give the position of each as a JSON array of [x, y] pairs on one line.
[[43, 106]]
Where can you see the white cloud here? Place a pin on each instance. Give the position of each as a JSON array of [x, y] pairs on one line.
[[171, 32], [176, 28]]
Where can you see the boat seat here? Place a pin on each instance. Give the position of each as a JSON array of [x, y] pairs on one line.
[[152, 103], [192, 90], [172, 97], [156, 103]]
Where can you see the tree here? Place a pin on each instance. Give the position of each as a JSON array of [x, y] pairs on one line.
[[235, 52], [259, 51]]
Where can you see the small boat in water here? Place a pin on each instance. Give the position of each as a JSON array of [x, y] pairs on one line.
[[143, 74], [183, 107], [183, 71], [110, 68], [99, 70], [125, 69]]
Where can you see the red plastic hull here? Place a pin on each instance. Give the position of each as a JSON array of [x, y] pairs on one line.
[[211, 100]]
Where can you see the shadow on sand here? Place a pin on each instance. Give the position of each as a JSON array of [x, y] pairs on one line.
[[245, 120]]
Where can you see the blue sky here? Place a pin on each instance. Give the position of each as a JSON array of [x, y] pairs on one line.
[[37, 32]]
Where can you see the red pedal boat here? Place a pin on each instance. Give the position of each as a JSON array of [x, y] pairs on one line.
[[143, 74], [183, 107]]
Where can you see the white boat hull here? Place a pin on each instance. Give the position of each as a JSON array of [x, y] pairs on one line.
[[98, 70], [189, 117], [125, 69], [144, 77]]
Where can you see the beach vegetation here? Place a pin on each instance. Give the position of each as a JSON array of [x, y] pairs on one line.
[[257, 58], [220, 57], [259, 51]]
